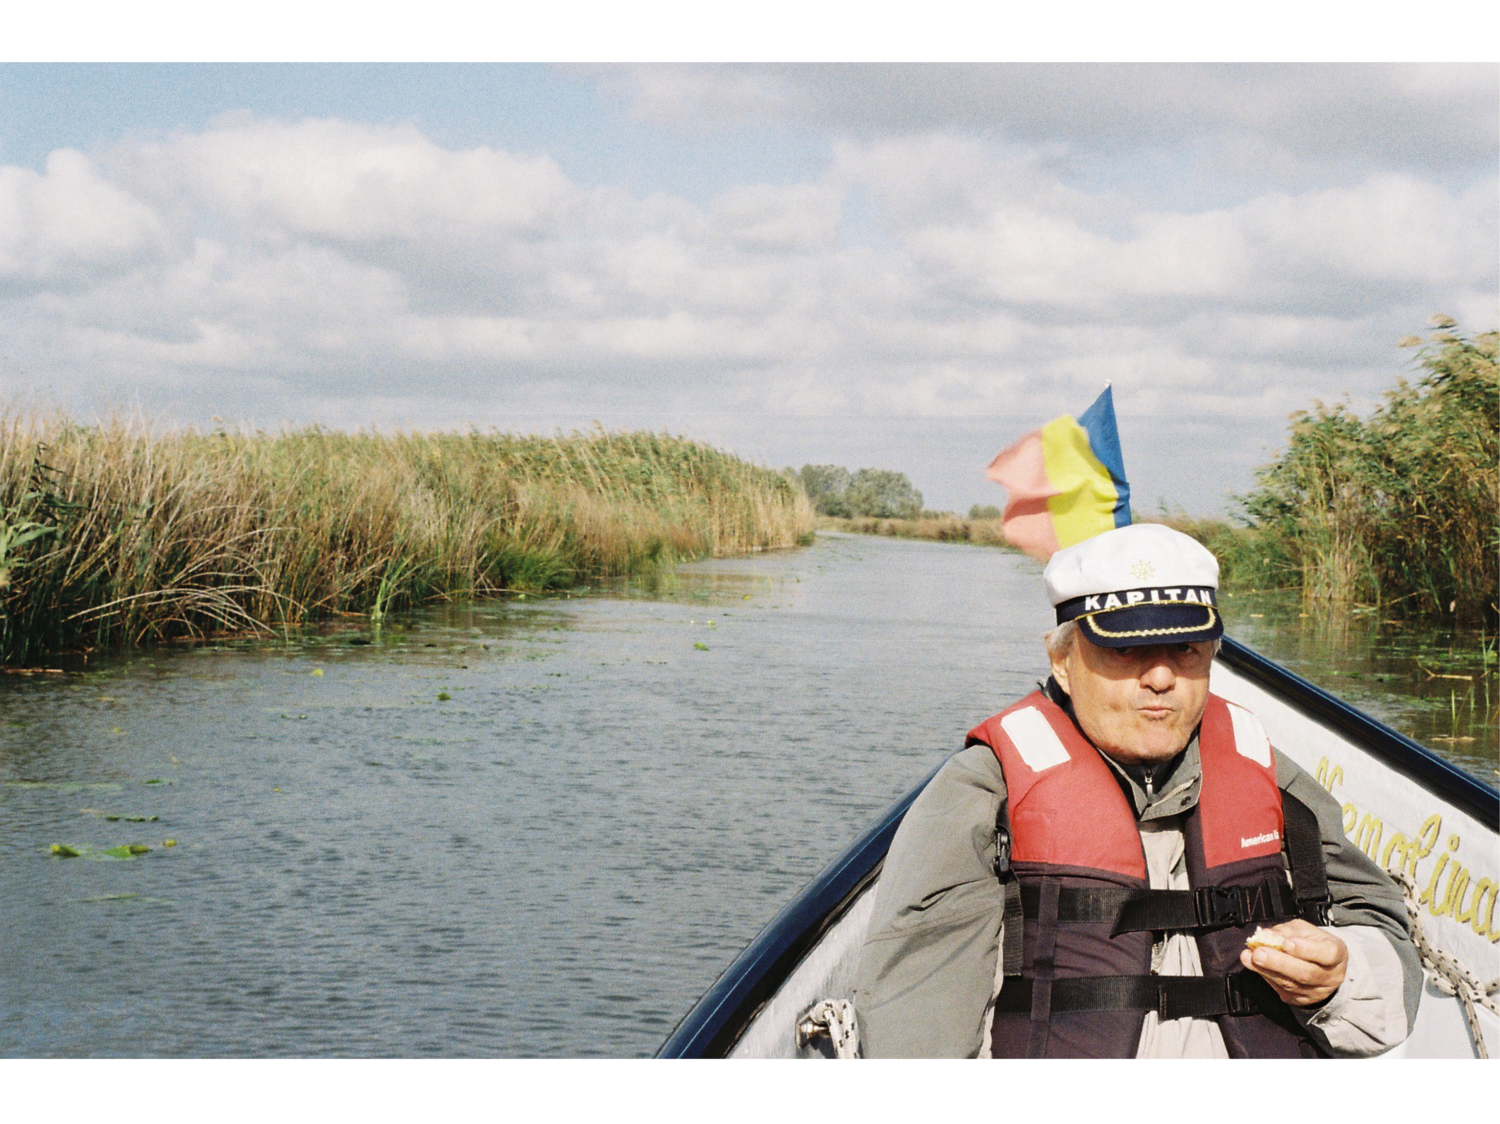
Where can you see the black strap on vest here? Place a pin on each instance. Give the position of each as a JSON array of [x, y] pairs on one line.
[[1011, 953], [1171, 997], [1132, 911], [1209, 907], [1304, 853]]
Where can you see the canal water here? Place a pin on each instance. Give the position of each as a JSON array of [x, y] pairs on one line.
[[1437, 683], [530, 828], [526, 828]]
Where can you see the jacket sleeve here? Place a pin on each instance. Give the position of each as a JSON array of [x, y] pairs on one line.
[[1374, 1008], [927, 970]]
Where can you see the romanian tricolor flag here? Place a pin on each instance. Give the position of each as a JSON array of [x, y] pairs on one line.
[[1066, 481]]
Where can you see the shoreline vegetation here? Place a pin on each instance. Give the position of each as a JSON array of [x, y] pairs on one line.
[[934, 526], [1398, 512], [117, 535]]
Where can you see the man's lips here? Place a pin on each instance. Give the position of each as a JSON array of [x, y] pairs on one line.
[[1157, 710]]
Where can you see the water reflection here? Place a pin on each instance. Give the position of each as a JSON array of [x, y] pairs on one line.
[[1435, 682]]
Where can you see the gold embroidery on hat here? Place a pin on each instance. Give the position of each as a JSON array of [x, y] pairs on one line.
[[1143, 570], [1094, 625]]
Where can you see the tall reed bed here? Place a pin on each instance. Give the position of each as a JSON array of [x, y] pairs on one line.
[[1400, 510], [117, 534]]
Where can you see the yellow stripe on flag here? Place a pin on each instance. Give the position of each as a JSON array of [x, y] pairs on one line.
[[1086, 496]]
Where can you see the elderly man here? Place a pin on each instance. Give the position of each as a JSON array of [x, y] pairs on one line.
[[1083, 878]]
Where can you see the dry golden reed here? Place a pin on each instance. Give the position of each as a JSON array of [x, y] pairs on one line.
[[118, 534]]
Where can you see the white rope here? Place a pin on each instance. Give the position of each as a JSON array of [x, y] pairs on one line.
[[835, 1019], [1453, 978]]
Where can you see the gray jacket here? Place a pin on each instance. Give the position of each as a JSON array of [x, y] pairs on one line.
[[930, 967]]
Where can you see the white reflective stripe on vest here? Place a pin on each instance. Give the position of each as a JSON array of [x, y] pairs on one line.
[[1250, 736], [1034, 738]]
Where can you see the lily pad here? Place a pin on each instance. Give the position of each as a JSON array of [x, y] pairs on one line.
[[125, 851]]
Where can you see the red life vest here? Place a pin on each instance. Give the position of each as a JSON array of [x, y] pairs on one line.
[[1075, 850]]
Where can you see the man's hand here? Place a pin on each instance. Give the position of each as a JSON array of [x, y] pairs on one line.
[[1308, 967]]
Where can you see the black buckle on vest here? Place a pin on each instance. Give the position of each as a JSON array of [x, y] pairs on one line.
[[1208, 997], [1219, 906], [1314, 913], [1240, 988]]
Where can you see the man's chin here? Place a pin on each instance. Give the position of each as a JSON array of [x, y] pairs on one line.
[[1158, 745]]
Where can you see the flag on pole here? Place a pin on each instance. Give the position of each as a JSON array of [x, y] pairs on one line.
[[1066, 481]]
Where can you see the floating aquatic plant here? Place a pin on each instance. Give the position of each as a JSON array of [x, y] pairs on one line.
[[80, 851]]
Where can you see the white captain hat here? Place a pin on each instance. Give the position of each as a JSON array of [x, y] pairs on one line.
[[1139, 584]]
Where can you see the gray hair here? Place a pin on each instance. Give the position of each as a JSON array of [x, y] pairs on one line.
[[1061, 639]]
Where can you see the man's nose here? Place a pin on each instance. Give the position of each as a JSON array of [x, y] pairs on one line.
[[1159, 674]]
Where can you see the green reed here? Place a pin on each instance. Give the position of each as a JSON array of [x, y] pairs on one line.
[[1400, 510], [117, 534]]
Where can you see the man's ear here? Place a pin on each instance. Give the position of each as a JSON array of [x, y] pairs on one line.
[[1060, 672]]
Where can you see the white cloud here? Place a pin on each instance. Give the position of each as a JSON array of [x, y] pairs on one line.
[[697, 97], [68, 220], [800, 217], [1369, 116], [353, 183], [1280, 250], [299, 270]]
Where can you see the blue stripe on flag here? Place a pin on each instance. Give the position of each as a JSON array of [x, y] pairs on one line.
[[1098, 421]]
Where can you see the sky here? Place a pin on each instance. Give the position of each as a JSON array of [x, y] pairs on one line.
[[894, 265]]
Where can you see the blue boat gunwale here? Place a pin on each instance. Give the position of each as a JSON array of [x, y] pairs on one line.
[[717, 1021]]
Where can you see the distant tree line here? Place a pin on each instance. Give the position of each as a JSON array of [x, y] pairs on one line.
[[877, 492]]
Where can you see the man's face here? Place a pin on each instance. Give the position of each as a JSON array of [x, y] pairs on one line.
[[1138, 705]]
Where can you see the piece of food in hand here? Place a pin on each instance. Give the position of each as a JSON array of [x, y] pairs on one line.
[[1264, 938]]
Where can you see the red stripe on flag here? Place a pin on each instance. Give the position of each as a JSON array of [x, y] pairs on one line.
[[1022, 471]]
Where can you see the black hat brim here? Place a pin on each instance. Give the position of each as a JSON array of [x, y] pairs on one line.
[[1138, 625]]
